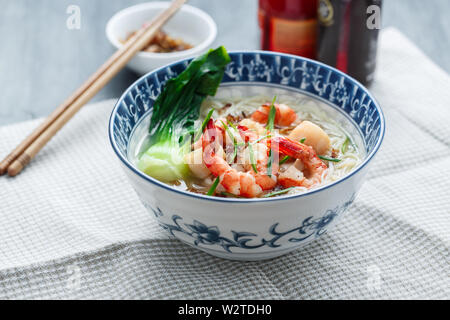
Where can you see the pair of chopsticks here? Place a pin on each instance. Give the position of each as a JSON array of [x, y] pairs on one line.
[[14, 163]]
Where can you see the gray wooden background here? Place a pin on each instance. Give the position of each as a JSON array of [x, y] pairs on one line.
[[42, 62]]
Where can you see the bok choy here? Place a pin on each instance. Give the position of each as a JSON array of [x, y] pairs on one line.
[[175, 113]]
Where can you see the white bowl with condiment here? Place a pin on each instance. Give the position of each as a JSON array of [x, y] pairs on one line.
[[190, 24]]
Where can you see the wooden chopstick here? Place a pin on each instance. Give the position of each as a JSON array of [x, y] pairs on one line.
[[28, 148]]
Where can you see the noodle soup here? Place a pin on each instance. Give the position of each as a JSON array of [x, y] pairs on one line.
[[166, 116], [230, 112]]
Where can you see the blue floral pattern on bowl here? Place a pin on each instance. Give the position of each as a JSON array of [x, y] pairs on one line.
[[202, 234]]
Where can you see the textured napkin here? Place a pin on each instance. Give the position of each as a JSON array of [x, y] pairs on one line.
[[72, 227]]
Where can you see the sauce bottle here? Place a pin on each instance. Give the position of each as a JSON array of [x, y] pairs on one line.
[[289, 26], [348, 36]]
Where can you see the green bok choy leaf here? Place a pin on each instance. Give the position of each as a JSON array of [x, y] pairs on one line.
[[175, 113]]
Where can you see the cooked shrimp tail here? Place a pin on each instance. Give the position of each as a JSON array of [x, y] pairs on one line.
[[284, 116], [307, 171]]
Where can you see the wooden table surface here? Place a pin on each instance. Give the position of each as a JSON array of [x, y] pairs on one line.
[[42, 61]]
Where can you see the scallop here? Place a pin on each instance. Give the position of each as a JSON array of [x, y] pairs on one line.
[[314, 135], [195, 162]]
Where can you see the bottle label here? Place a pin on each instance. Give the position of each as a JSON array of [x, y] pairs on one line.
[[294, 36]]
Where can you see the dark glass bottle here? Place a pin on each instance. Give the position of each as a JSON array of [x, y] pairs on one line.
[[289, 26], [348, 36]]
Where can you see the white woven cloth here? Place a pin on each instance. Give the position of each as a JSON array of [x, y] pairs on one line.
[[72, 227]]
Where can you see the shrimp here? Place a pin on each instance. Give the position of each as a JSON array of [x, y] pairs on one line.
[[284, 116], [307, 172], [253, 125], [314, 136], [265, 181], [261, 151], [232, 139], [195, 162], [233, 181]]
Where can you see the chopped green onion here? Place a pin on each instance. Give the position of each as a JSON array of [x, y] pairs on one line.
[[230, 134], [234, 153], [252, 158], [330, 159], [284, 160], [345, 145], [208, 117], [303, 140], [271, 117], [214, 187], [205, 122], [277, 193], [227, 130], [232, 125], [269, 127], [269, 164], [261, 139]]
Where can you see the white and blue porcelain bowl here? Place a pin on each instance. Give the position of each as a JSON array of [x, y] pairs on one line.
[[191, 24], [252, 229]]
